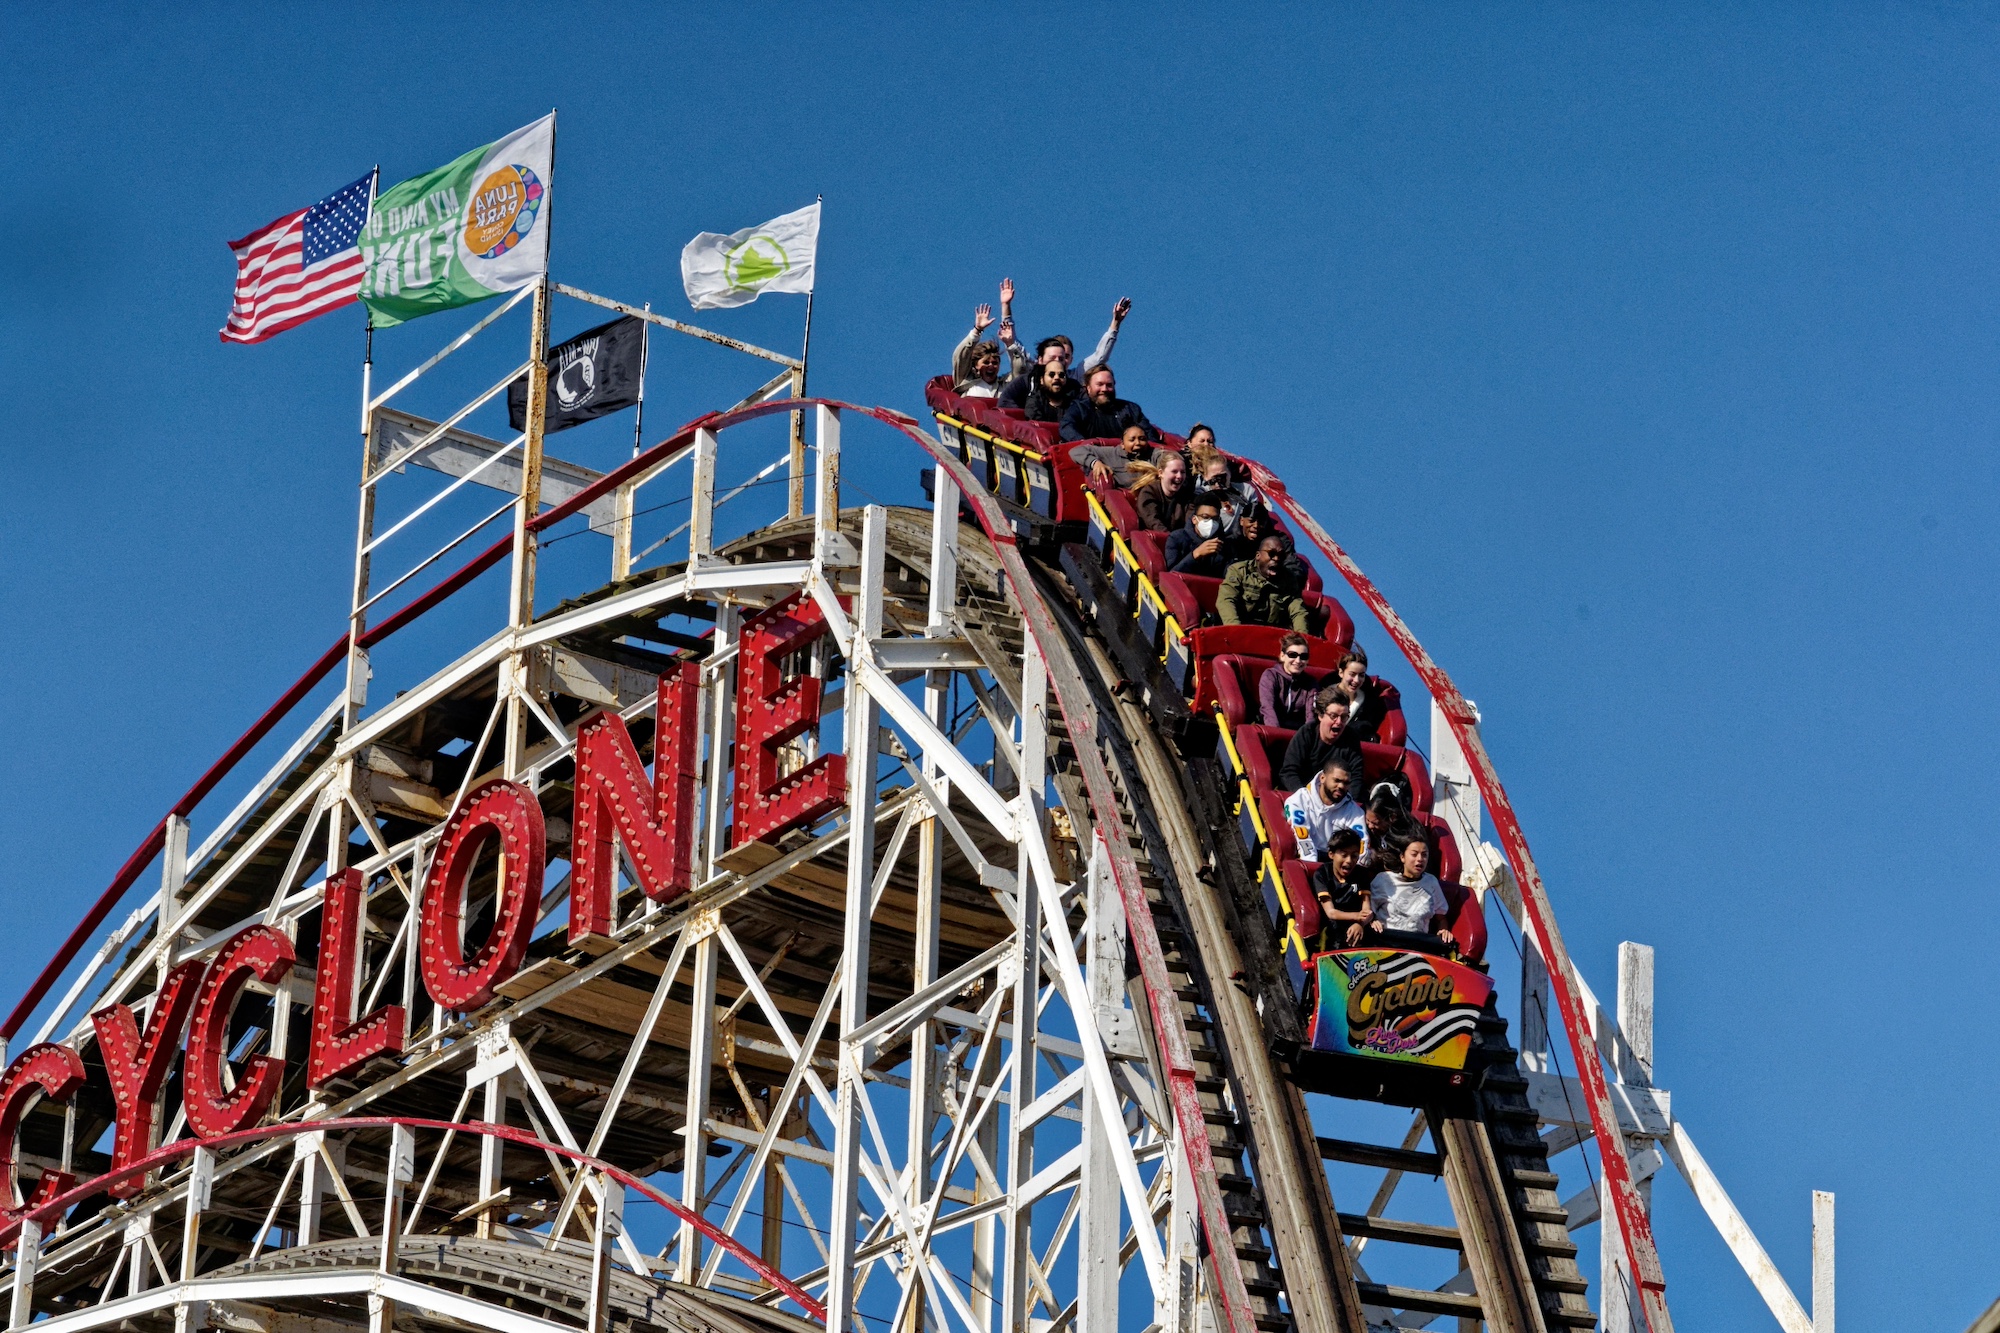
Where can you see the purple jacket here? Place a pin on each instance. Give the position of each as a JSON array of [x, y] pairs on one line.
[[1286, 701]]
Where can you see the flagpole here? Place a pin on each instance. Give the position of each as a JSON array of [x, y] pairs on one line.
[[797, 505], [639, 418], [357, 661], [521, 598]]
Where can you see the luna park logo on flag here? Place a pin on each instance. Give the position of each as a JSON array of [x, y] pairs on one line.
[[503, 211]]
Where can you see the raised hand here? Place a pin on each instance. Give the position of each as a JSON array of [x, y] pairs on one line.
[[982, 317], [1007, 329], [1006, 296], [1122, 309]]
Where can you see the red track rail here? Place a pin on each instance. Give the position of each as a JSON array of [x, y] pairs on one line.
[[1633, 1225]]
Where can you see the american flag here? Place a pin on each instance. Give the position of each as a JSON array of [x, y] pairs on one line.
[[304, 264]]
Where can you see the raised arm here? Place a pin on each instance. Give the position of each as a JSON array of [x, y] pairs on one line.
[[1110, 338]]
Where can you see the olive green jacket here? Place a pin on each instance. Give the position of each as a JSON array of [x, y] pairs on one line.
[[1248, 598]]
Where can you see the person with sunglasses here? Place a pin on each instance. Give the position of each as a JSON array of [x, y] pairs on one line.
[[1285, 692]]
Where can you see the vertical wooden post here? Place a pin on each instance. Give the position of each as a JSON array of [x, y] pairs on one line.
[[701, 519], [1097, 1189], [694, 1128], [1015, 1302], [1631, 1064], [1822, 1252], [521, 597], [27, 1258], [173, 871], [861, 747], [489, 1154], [610, 1226], [795, 506], [312, 1185], [826, 499], [401, 1170], [191, 1315], [924, 1071]]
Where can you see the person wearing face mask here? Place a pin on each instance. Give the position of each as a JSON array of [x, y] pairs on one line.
[[1199, 548], [1374, 698]]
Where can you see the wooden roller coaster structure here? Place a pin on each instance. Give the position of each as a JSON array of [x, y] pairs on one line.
[[919, 985]]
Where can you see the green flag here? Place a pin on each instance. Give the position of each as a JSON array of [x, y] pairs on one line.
[[471, 229]]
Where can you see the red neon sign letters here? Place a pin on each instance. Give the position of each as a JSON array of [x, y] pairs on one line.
[[656, 821]]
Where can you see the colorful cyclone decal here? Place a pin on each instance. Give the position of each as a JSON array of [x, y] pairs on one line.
[[1408, 1007], [503, 210]]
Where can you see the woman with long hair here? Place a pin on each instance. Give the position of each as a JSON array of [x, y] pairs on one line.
[[1160, 491]]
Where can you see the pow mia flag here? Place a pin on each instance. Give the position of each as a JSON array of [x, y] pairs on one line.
[[592, 375]]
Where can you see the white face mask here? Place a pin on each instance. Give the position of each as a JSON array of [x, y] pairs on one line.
[[1205, 526]]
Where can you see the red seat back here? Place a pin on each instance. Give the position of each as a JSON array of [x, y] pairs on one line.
[[1236, 677], [1151, 548], [1119, 506], [1379, 761], [1262, 750]]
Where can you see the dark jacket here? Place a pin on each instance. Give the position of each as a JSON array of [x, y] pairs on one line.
[[1248, 598], [1378, 696], [1040, 407], [1158, 511], [1085, 420], [1307, 755], [1181, 558]]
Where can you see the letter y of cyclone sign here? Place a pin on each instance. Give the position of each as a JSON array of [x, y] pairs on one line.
[[138, 1068], [657, 826], [58, 1072], [339, 1041], [772, 711], [212, 1109], [500, 811]]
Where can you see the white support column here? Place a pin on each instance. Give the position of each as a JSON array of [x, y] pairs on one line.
[[1822, 1254], [313, 1185], [829, 547], [701, 529], [1098, 1198], [924, 1071], [610, 1226], [1015, 1302], [1632, 1065], [27, 1258], [718, 712], [694, 1130], [489, 1155], [191, 1315], [401, 1170], [861, 743], [173, 872]]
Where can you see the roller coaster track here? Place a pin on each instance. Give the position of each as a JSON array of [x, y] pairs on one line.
[[1072, 1007]]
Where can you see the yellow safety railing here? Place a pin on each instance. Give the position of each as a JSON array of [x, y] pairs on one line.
[[1267, 857]]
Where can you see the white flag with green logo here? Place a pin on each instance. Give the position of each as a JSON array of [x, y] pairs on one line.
[[720, 271], [471, 229]]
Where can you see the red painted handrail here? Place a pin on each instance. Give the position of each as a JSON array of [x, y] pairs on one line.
[[61, 1203]]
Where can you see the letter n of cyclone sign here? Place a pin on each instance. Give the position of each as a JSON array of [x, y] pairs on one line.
[[657, 825]]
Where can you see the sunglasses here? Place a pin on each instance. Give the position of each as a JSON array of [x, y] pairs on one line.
[[1296, 654]]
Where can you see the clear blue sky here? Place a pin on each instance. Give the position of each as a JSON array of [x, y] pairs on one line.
[[1647, 362]]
